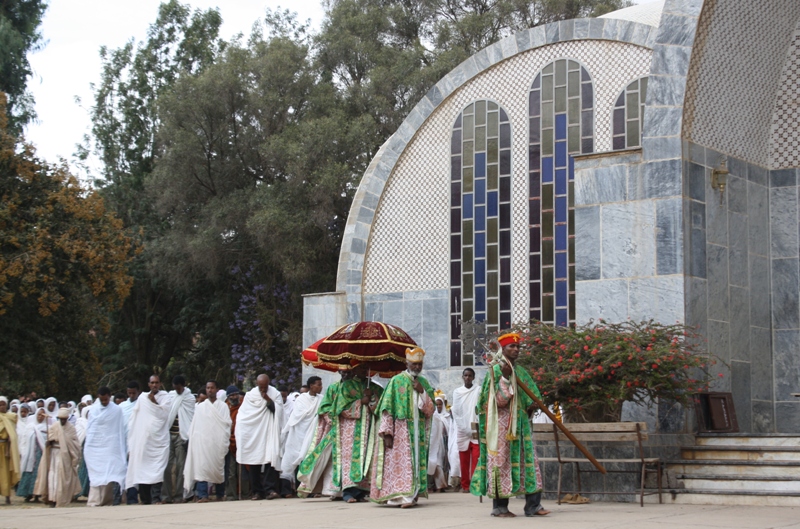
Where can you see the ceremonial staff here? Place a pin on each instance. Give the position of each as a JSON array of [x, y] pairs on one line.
[[498, 358]]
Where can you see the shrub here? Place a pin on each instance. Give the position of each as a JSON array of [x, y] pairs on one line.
[[592, 370]]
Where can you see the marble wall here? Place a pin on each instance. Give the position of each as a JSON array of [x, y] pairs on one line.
[[743, 284]]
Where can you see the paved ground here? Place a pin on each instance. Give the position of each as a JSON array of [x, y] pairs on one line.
[[441, 511]]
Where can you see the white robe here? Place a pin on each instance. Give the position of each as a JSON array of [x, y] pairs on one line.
[[258, 430], [148, 440], [105, 448], [127, 411], [299, 431], [463, 410], [26, 441], [210, 433], [183, 407]]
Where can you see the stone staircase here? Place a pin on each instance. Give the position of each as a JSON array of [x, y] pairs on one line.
[[736, 469]]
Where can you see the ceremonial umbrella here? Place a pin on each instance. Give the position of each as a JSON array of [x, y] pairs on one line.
[[309, 357], [380, 347]]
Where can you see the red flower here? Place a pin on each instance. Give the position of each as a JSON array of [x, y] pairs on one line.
[[655, 366]]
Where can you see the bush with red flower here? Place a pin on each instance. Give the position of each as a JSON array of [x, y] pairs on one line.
[[592, 370]]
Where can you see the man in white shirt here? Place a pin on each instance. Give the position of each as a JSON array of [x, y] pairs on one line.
[[131, 495], [210, 433], [258, 438], [180, 420], [148, 442], [465, 399], [105, 449]]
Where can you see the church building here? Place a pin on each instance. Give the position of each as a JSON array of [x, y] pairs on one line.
[[642, 165]]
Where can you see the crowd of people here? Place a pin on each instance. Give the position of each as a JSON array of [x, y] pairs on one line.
[[354, 441]]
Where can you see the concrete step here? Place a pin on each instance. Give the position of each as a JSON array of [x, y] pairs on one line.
[[777, 485], [725, 468], [767, 439], [742, 452], [727, 497]]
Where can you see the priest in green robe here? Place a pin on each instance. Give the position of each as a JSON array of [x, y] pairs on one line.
[[400, 466], [339, 458], [507, 465]]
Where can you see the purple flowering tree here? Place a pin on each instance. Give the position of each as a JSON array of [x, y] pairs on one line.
[[266, 330]]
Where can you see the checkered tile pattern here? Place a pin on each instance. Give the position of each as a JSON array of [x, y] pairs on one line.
[[409, 244], [784, 148], [731, 86]]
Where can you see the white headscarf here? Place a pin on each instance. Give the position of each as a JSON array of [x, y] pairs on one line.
[[13, 403], [47, 402], [86, 399]]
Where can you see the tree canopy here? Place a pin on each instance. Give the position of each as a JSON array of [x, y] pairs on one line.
[[63, 269], [19, 35], [231, 166]]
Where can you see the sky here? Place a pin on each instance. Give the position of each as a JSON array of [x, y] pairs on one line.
[[70, 62]]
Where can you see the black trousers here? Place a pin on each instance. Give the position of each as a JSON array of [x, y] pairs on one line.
[[533, 503], [148, 492], [264, 480]]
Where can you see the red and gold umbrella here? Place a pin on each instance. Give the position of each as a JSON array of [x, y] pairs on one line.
[[309, 358], [381, 347]]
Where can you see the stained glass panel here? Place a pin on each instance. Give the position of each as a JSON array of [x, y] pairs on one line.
[[561, 115], [480, 201], [629, 116]]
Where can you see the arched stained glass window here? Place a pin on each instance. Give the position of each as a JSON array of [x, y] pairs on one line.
[[561, 109], [480, 222], [629, 115]]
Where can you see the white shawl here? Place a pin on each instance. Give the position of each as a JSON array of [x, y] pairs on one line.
[[148, 440], [183, 407], [258, 430], [105, 448], [26, 441], [211, 437], [299, 431], [463, 410]]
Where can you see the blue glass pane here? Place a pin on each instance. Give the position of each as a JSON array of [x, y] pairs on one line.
[[492, 203], [547, 169], [480, 273], [480, 299], [480, 218], [467, 205], [561, 265], [561, 237], [480, 316], [480, 164], [571, 167], [561, 293], [561, 182], [561, 127], [561, 154], [480, 191], [480, 245], [561, 317], [561, 209]]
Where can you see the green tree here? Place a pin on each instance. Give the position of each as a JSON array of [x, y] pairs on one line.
[[255, 180], [63, 268], [156, 323], [19, 35]]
